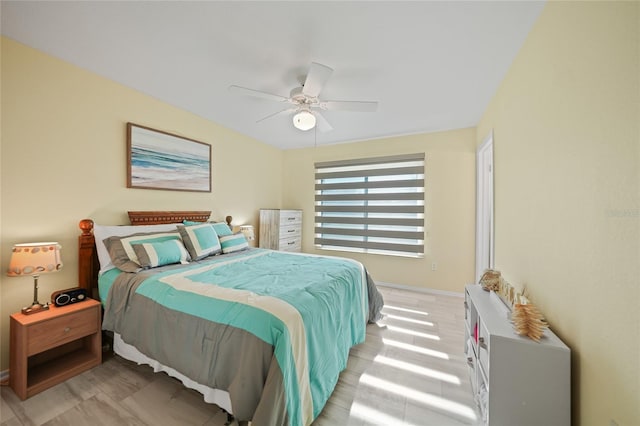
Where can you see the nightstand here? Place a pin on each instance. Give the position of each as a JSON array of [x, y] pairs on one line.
[[52, 346]]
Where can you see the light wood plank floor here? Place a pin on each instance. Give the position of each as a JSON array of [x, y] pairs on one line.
[[410, 371]]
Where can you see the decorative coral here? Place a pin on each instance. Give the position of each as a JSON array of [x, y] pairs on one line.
[[490, 280], [528, 321]]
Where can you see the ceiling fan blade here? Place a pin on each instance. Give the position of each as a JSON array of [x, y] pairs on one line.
[[322, 122], [359, 106], [316, 78], [257, 93], [282, 112]]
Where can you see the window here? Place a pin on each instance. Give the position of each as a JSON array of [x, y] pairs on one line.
[[371, 205]]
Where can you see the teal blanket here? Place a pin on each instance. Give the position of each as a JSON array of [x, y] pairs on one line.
[[312, 309]]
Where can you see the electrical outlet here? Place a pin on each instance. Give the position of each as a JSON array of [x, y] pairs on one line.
[[434, 266]]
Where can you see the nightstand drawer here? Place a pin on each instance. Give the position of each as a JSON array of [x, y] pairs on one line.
[[58, 331]]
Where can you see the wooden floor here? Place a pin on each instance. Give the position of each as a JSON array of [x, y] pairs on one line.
[[410, 371]]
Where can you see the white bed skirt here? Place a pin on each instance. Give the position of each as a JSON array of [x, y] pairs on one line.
[[212, 396]]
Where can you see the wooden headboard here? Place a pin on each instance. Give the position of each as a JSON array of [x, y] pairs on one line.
[[88, 265]]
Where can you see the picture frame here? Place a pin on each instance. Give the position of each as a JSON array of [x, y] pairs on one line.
[[164, 161]]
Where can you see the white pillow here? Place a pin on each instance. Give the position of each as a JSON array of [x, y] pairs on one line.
[[102, 232]]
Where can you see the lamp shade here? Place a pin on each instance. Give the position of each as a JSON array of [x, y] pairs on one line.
[[304, 120], [247, 230], [34, 259]]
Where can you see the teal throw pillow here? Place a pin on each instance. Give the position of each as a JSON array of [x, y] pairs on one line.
[[151, 255]]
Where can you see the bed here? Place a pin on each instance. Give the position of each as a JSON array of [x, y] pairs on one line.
[[261, 333]]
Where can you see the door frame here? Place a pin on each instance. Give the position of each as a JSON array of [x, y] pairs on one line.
[[485, 252]]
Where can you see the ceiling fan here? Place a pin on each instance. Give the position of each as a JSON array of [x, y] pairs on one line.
[[305, 103]]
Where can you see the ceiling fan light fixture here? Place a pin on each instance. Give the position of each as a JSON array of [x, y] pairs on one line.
[[304, 120]]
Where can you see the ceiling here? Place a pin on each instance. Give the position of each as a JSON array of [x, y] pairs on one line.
[[431, 65]]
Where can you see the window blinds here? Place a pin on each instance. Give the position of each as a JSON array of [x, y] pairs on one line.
[[371, 205]]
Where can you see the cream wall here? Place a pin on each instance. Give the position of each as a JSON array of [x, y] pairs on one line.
[[567, 213], [449, 205], [63, 159]]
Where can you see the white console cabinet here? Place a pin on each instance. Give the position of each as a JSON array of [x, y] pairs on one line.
[[515, 380]]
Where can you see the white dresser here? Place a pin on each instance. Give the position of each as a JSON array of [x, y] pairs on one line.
[[281, 229], [515, 380]]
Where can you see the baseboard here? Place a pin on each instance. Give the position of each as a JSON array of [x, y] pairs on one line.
[[420, 289]]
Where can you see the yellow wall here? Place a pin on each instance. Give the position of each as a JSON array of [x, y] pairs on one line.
[[64, 159], [449, 205], [567, 181]]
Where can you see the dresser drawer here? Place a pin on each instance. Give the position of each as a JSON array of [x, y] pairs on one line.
[[290, 217], [291, 244], [58, 331], [290, 231]]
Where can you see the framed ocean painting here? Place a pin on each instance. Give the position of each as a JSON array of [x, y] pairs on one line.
[[161, 160]]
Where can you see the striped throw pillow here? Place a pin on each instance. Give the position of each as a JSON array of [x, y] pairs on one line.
[[234, 242], [121, 248], [151, 255]]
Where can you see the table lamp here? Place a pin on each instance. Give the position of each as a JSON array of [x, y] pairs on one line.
[[247, 231], [34, 259]]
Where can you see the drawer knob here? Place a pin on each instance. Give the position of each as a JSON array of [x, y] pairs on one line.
[[291, 230], [67, 329], [482, 343]]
